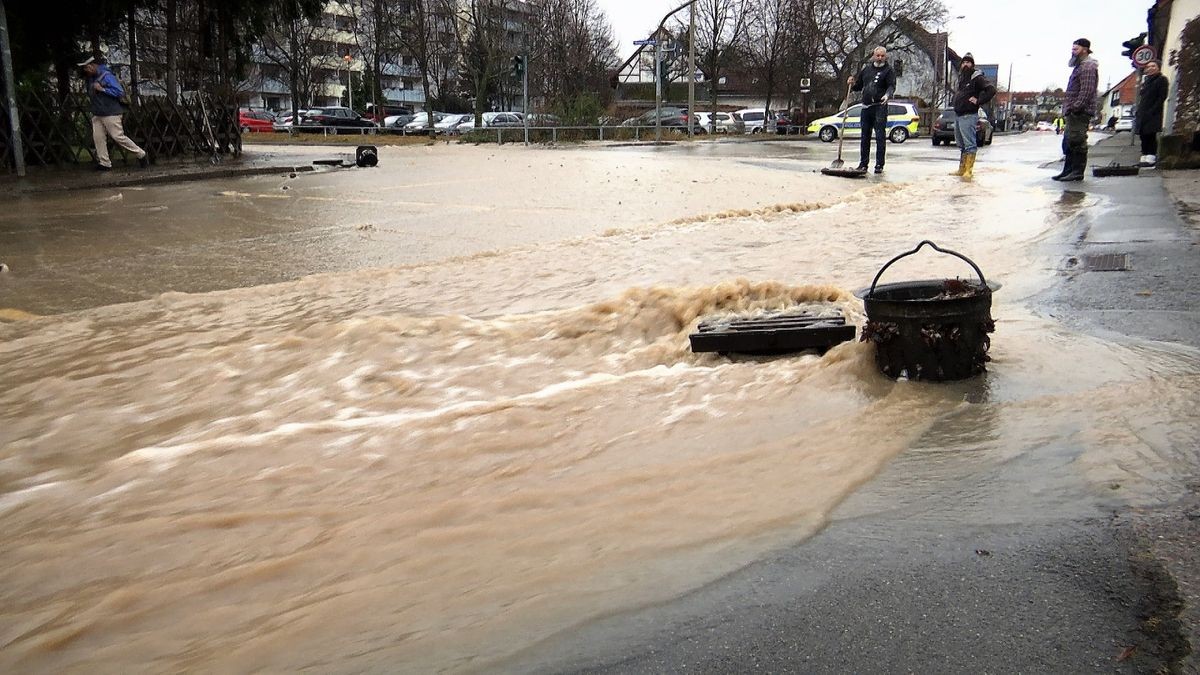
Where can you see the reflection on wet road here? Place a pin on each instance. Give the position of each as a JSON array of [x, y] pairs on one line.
[[482, 423]]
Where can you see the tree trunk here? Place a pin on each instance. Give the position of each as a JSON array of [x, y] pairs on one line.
[[133, 58], [294, 70], [172, 39]]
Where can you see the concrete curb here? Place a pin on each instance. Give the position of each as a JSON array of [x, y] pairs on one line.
[[80, 181]]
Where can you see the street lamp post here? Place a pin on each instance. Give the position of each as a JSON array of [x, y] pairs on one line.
[[349, 89], [946, 62]]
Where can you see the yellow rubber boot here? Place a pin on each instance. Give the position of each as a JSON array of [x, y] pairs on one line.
[[968, 171], [962, 165]]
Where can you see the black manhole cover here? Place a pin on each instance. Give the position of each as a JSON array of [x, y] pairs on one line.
[[1106, 262]]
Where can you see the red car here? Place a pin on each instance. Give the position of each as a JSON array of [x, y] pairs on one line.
[[255, 120]]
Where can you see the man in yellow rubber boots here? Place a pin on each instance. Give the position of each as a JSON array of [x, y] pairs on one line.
[[974, 90]]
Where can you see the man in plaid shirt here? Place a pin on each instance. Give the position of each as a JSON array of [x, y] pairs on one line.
[[1078, 110]]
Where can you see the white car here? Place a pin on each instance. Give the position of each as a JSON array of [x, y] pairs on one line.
[[1124, 124], [448, 123], [719, 122], [754, 119], [1044, 126], [285, 122], [420, 122]]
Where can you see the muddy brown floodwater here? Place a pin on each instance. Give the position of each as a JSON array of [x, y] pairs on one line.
[[437, 462]]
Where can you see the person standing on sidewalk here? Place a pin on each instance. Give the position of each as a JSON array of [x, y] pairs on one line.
[[974, 90], [105, 92], [1149, 117], [1078, 110], [877, 82]]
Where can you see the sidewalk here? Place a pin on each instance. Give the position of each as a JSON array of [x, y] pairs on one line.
[[84, 177], [1152, 219]]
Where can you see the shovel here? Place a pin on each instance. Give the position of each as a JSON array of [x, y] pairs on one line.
[[835, 168]]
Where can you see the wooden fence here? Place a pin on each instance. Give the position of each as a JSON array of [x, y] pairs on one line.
[[59, 133]]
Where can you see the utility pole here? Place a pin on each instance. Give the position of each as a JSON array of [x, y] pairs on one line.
[[692, 69], [10, 91], [525, 95], [657, 90], [1008, 110]]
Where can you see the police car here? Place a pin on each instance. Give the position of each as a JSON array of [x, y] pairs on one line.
[[902, 122]]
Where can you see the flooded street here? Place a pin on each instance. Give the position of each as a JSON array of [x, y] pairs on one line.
[[425, 417]]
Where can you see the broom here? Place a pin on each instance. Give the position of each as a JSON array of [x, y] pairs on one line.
[[835, 168]]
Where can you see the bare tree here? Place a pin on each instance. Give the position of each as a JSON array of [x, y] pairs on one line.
[[719, 27], [764, 42], [374, 38], [485, 45], [294, 45], [850, 29], [423, 30], [571, 51]]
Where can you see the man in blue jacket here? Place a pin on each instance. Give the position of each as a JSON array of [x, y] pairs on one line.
[[105, 93], [877, 82]]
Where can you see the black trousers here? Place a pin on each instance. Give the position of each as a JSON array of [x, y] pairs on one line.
[[874, 119], [1150, 144]]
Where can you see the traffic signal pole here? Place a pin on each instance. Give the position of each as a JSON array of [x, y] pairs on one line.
[[692, 71]]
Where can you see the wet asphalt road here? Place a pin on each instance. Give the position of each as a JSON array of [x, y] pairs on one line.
[[938, 584]]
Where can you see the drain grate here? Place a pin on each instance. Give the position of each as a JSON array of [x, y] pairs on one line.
[[1106, 262]]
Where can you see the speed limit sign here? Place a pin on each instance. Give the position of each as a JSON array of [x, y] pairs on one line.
[[1143, 55]]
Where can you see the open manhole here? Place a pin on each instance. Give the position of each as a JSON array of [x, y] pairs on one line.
[[1106, 262]]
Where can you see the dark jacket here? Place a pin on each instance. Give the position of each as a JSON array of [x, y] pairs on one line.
[[107, 102], [1151, 98], [972, 84], [875, 83]]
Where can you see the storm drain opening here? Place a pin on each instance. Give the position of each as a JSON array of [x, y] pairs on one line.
[[1106, 262]]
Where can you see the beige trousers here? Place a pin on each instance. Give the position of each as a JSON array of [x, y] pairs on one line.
[[110, 126]]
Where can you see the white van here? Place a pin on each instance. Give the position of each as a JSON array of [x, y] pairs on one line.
[[754, 119]]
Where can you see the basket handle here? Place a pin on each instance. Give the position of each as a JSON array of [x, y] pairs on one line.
[[918, 248]]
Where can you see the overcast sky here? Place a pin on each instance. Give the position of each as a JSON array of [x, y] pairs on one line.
[[1034, 36]]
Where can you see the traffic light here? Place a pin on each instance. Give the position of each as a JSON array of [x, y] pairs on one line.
[[518, 68], [1132, 44]]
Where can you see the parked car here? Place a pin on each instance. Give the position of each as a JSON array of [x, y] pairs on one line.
[[753, 119], [380, 114], [943, 128], [544, 120], [1044, 126], [395, 123], [788, 122], [719, 122], [1124, 123], [902, 121], [333, 120], [465, 125], [419, 124], [285, 123], [448, 122], [255, 119], [503, 119], [668, 116]]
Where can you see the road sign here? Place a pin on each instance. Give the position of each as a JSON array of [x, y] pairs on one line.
[[645, 43], [1143, 55]]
